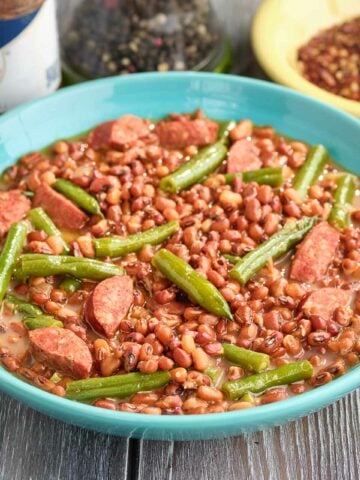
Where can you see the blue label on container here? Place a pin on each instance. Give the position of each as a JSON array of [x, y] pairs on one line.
[[10, 29]]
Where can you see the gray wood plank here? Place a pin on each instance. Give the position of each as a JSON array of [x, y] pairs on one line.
[[35, 447], [321, 446]]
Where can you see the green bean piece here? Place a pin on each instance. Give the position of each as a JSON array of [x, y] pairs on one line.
[[42, 321], [247, 398], [56, 377], [311, 169], [78, 196], [121, 389], [41, 265], [22, 306], [278, 244], [213, 373], [344, 194], [224, 130], [118, 247], [200, 290], [70, 285], [272, 176], [14, 243], [106, 382], [247, 359], [283, 375], [231, 258], [196, 169], [41, 221]]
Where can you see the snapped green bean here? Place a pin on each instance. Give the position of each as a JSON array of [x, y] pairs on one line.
[[344, 194], [42, 321], [224, 130], [70, 285], [233, 259], [14, 243], [196, 169], [278, 244], [118, 247], [40, 265], [41, 221], [22, 306], [118, 386], [213, 373], [200, 290], [248, 359], [258, 383], [311, 169], [78, 196], [272, 176]]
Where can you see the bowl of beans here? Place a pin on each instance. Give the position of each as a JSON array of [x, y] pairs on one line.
[[313, 48], [180, 255]]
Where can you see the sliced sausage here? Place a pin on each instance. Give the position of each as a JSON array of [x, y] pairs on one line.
[[117, 133], [62, 350], [62, 211], [109, 303], [184, 132], [13, 207], [315, 253], [323, 302], [243, 156]]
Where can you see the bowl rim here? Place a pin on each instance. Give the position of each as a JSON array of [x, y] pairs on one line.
[[304, 403], [286, 75]]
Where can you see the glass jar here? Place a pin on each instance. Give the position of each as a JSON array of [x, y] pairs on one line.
[[101, 38]]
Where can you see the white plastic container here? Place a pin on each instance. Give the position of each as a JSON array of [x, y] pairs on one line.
[[29, 51]]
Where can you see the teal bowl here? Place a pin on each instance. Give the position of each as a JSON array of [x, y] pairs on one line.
[[76, 109]]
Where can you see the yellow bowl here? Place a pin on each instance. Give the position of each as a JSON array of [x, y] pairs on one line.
[[280, 27]]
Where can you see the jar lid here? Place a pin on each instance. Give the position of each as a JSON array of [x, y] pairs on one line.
[[17, 8]]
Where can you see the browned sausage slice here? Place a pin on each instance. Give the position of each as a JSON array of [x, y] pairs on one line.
[[118, 133], [13, 207], [243, 156], [315, 253], [183, 132], [109, 303], [62, 350], [62, 211], [323, 302]]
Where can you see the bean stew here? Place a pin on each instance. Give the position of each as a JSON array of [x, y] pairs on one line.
[[178, 267]]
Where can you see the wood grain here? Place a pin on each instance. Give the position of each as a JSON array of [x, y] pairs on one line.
[[321, 446], [35, 447]]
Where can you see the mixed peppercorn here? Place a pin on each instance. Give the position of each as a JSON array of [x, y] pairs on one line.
[[121, 37]]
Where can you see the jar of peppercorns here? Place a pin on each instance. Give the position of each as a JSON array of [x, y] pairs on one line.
[[101, 38]]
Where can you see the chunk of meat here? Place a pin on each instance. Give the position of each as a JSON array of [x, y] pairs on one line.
[[62, 211], [13, 207], [117, 133], [323, 302], [315, 253], [109, 303], [243, 156], [62, 350], [184, 132]]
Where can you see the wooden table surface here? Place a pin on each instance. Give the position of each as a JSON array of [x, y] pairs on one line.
[[321, 446]]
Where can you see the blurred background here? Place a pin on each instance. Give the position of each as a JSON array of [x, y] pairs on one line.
[[311, 46]]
